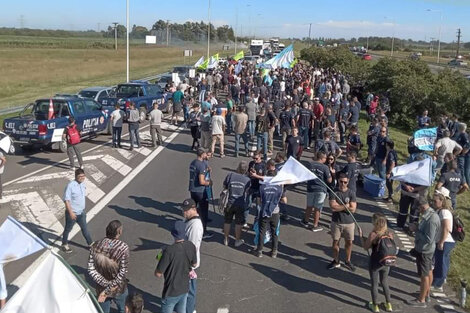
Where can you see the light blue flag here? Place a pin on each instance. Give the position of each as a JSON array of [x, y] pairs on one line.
[[238, 67], [418, 172], [425, 139]]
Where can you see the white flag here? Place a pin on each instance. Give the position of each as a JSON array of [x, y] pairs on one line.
[[199, 62], [292, 172], [52, 288], [213, 62], [16, 241], [418, 172]]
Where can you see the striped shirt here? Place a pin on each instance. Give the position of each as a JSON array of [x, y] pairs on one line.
[[108, 266]]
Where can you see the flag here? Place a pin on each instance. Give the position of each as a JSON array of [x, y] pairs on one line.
[[50, 114], [418, 172], [52, 288], [16, 241], [292, 172], [283, 59], [199, 62], [204, 65], [5, 144], [238, 67], [265, 71], [424, 139], [239, 55], [214, 61], [293, 63]]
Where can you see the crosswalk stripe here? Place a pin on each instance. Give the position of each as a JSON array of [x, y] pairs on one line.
[[68, 175], [114, 163], [33, 209], [53, 201], [93, 192], [95, 173]]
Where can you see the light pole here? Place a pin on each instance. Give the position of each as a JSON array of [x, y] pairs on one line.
[[115, 35], [209, 30], [127, 41], [393, 36], [236, 29], [439, 36]]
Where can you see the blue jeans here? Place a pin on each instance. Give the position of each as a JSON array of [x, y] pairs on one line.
[[251, 128], [228, 121], [69, 222], [262, 139], [117, 136], [244, 136], [191, 299], [174, 304], [303, 132], [442, 264], [120, 301], [134, 134], [464, 167], [380, 167]]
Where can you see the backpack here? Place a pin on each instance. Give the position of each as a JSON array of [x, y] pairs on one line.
[[458, 233], [73, 135], [386, 250]]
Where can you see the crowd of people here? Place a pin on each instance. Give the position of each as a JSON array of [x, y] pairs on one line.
[[308, 109]]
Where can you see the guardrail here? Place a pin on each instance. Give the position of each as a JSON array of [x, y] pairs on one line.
[[20, 108]]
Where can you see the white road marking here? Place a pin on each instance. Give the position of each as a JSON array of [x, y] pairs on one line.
[[112, 162], [21, 279], [93, 192], [402, 235], [97, 175], [34, 209], [439, 294], [125, 153], [54, 202], [222, 310], [447, 306], [64, 161]]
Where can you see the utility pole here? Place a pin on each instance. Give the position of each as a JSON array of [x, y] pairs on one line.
[[115, 35], [209, 30], [431, 45], [310, 32], [167, 32], [459, 34], [99, 27], [236, 29], [21, 21]]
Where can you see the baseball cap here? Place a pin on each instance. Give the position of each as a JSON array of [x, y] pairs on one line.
[[188, 204], [179, 230], [443, 191]]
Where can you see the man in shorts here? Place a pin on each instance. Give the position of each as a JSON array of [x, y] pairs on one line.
[[316, 191], [426, 236], [343, 204]]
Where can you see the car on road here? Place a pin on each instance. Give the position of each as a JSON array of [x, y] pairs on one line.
[[255, 59], [96, 93], [182, 70], [33, 127], [457, 62], [140, 92], [366, 57]]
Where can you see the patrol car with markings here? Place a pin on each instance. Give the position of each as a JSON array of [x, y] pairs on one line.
[[34, 128]]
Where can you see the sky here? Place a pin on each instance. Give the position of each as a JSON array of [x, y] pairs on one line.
[[415, 19]]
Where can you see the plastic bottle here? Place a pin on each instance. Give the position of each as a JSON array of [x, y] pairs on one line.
[[463, 293]]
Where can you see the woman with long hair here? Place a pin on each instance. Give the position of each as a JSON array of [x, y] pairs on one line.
[[376, 270], [445, 243], [334, 168]]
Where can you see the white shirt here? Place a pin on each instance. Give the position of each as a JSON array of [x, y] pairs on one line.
[[218, 122], [117, 116], [446, 215], [283, 85], [449, 144]]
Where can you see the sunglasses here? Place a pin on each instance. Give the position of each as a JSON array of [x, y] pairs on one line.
[[343, 181]]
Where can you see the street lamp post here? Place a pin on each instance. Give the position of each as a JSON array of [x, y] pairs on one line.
[[393, 36], [439, 36], [209, 30], [127, 41]]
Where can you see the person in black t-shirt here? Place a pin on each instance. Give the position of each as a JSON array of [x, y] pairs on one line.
[[305, 123], [294, 144], [174, 265], [453, 181], [198, 170], [342, 221], [391, 162], [316, 191], [351, 170], [256, 167], [286, 122], [354, 140], [238, 185]]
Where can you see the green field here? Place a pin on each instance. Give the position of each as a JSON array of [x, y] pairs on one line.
[[36, 67]]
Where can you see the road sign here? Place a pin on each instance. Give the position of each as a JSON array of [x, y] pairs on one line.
[[188, 53]]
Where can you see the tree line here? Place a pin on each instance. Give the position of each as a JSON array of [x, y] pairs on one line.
[[409, 84]]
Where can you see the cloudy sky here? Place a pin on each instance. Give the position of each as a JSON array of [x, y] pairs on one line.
[[416, 19]]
